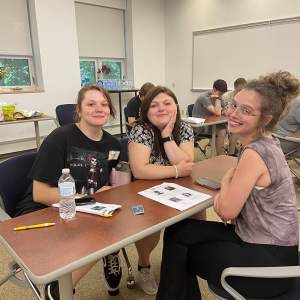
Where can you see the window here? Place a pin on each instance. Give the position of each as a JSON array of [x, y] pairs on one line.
[[92, 70], [16, 72], [16, 55]]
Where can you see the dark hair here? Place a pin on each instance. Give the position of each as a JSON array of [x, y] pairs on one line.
[[145, 88], [220, 85], [276, 91], [158, 147], [81, 95], [239, 82]]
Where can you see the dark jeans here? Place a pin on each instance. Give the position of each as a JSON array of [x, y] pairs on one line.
[[196, 247]]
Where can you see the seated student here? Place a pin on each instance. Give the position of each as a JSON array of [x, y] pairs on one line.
[[289, 125], [76, 146], [134, 104], [209, 103], [258, 195], [226, 98], [160, 146]]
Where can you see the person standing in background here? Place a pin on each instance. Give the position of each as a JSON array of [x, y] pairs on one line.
[[134, 104], [207, 104]]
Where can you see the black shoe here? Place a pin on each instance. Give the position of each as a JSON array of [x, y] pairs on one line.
[[52, 291], [112, 273]]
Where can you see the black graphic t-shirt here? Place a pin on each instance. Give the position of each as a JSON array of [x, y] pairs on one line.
[[90, 162]]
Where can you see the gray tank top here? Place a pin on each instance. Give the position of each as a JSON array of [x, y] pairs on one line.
[[269, 215]]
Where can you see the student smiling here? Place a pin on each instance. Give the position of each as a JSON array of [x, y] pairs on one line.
[[258, 195]]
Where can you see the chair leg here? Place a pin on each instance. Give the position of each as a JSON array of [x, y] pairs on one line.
[[33, 287], [130, 277]]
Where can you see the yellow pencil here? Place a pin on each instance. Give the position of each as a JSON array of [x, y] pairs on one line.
[[42, 225]]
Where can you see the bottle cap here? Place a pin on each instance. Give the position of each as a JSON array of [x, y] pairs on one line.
[[65, 171]]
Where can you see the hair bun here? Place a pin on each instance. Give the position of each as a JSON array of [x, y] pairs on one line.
[[286, 85]]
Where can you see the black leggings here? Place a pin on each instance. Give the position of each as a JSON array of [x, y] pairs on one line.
[[195, 247]]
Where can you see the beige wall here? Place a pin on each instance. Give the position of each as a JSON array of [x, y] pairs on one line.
[[57, 40], [184, 17]]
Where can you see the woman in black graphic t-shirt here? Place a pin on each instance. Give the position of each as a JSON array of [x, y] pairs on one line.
[[90, 153]]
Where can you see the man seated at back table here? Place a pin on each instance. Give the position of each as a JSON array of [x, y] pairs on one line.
[[209, 103]]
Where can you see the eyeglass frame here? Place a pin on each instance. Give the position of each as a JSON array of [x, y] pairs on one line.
[[232, 105]]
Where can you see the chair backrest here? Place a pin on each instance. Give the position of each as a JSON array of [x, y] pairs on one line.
[[14, 180], [65, 113], [190, 109]]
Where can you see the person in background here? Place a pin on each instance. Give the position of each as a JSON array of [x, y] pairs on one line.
[[160, 146], [226, 98], [257, 194], [81, 146], [134, 104], [238, 85], [290, 125], [209, 103]]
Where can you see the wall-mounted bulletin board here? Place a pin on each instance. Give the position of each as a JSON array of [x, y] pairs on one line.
[[246, 50]]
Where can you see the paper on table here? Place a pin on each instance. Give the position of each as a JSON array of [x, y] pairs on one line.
[[194, 120], [101, 209], [174, 195]]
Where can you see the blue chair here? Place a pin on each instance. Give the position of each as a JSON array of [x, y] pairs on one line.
[[65, 113], [230, 293], [14, 183]]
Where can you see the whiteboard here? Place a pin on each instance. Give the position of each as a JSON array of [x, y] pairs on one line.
[[247, 50]]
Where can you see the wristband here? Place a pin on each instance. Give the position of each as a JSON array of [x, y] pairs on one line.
[[176, 171]]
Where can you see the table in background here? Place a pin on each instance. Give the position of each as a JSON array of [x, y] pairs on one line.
[[120, 92], [36, 121], [55, 252], [212, 121]]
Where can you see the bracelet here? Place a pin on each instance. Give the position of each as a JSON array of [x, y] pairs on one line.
[[176, 171]]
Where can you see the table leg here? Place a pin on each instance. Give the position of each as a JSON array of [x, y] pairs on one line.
[[66, 287], [37, 134], [213, 140], [121, 117]]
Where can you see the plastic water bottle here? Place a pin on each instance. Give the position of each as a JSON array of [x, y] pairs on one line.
[[66, 186]]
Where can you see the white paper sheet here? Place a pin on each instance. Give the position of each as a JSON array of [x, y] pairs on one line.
[[174, 195]]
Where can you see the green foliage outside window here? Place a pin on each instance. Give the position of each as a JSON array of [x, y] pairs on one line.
[[87, 72], [115, 70], [17, 72]]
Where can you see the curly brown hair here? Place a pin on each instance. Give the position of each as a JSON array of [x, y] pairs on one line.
[[276, 90]]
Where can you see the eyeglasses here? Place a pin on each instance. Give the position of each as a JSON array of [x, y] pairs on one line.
[[240, 109]]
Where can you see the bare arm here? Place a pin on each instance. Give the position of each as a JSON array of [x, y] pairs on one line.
[[215, 109], [139, 155], [238, 183], [44, 193], [131, 120], [175, 154]]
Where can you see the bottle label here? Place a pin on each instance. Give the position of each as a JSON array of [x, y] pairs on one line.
[[66, 189]]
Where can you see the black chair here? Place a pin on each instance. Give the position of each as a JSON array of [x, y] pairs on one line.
[[13, 186], [228, 292], [65, 113], [199, 136]]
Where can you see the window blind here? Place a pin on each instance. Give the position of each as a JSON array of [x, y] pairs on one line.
[[14, 28], [100, 31]]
